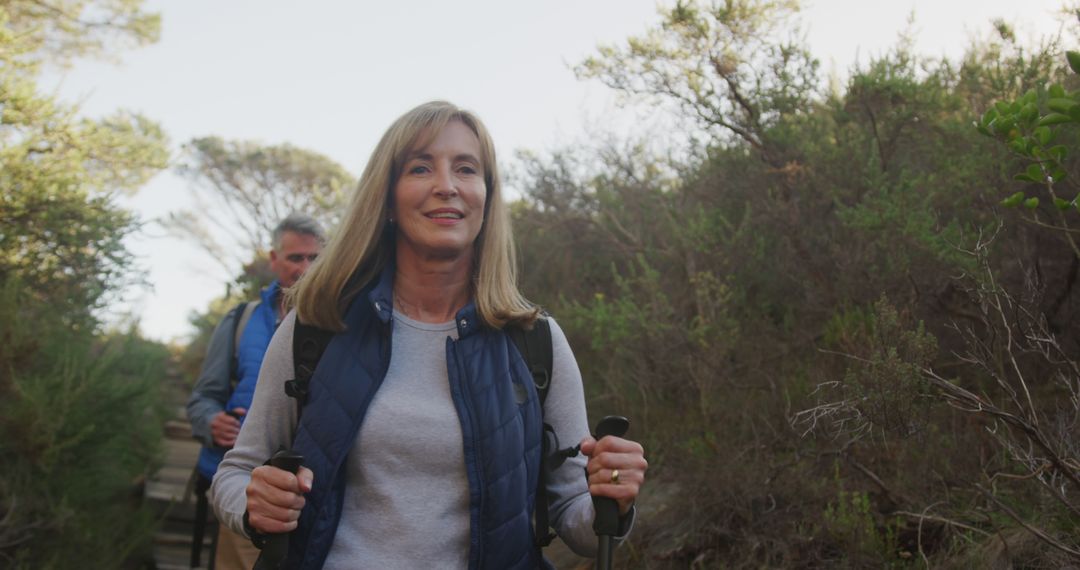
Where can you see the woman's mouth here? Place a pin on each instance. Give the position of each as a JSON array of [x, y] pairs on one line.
[[445, 215]]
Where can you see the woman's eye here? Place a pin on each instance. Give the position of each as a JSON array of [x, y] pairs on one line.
[[418, 169], [466, 169]]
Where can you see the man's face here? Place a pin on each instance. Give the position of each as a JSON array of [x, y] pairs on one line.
[[295, 255]]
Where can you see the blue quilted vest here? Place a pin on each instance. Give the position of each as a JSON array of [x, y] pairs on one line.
[[249, 356], [501, 436]]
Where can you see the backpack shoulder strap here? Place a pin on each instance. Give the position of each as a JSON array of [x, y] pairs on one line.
[[309, 344], [241, 315], [535, 347]]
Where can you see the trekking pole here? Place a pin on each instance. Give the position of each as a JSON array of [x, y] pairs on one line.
[[606, 523], [202, 484], [276, 549]]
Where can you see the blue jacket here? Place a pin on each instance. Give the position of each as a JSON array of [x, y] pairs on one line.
[[501, 429], [249, 356]]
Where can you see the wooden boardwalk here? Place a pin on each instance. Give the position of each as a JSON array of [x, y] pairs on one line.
[[169, 492]]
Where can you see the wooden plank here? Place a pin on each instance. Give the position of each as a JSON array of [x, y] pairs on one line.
[[178, 429], [177, 538], [165, 489], [176, 556]]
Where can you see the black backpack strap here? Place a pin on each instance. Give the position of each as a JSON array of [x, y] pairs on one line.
[[535, 347], [309, 344], [238, 313]]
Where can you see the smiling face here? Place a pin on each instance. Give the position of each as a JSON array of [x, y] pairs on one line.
[[439, 197]]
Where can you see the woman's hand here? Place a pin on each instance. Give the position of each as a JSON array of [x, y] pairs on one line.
[[613, 455], [275, 498]]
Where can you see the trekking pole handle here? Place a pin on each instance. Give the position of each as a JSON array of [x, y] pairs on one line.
[[288, 461], [607, 510], [606, 523], [276, 548]]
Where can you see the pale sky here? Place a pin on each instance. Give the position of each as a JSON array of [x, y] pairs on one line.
[[331, 76]]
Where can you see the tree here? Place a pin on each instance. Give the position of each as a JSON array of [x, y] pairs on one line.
[[61, 233], [59, 31], [80, 410], [723, 63], [243, 189]]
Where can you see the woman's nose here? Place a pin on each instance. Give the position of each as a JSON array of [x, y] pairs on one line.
[[445, 185]]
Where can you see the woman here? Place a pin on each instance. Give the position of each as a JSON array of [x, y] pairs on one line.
[[422, 427]]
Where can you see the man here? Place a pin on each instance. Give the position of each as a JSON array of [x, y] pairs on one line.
[[226, 384]]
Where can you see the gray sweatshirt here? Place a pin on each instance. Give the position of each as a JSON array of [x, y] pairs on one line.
[[406, 497]]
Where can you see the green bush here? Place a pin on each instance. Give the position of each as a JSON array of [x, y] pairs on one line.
[[80, 428]]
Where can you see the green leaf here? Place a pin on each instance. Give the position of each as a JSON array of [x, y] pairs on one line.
[[1074, 113], [1029, 113], [1002, 107], [1056, 91], [1013, 201], [1005, 126], [1061, 104], [1054, 119], [1023, 178], [1031, 203], [1062, 204], [988, 116], [1042, 135], [1057, 175], [1058, 153], [1029, 97], [1019, 146], [1035, 172], [1074, 60]]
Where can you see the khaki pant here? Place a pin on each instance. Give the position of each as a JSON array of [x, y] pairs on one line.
[[234, 552]]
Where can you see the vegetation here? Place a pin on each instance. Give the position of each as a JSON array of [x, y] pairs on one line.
[[844, 327], [243, 189], [80, 409], [843, 321]]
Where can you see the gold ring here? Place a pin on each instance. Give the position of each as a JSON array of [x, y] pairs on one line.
[[614, 476]]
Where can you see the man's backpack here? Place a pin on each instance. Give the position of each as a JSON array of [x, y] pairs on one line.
[[534, 344]]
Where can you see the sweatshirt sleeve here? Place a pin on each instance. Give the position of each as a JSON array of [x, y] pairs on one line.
[[211, 390], [268, 426], [570, 505]]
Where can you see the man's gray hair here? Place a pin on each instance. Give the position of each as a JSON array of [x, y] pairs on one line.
[[300, 224]]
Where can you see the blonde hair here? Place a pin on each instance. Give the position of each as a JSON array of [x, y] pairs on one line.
[[363, 244]]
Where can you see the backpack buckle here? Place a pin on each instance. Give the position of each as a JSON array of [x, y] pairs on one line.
[[541, 378], [296, 389]]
